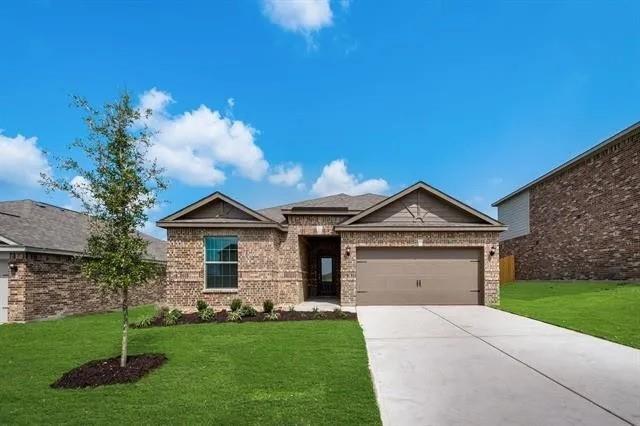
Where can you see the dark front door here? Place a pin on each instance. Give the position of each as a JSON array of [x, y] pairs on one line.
[[327, 276]]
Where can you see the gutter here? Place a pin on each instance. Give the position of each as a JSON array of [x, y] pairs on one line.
[[30, 249], [420, 228]]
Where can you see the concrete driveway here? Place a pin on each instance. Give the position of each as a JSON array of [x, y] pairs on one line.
[[473, 365]]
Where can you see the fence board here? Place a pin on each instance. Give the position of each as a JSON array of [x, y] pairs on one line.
[[507, 269]]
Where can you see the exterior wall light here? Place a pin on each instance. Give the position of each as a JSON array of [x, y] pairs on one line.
[[347, 251], [492, 250]]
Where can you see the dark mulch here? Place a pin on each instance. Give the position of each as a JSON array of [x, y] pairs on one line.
[[108, 371], [221, 317]]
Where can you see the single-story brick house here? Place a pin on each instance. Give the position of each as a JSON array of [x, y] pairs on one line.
[[39, 273], [419, 246], [581, 220]]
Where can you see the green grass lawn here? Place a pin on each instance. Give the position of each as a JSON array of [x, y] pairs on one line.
[[604, 309], [307, 372]]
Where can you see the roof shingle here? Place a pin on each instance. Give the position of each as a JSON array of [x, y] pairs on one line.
[[40, 225]]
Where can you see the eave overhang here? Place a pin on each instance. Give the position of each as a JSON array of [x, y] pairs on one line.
[[476, 228]]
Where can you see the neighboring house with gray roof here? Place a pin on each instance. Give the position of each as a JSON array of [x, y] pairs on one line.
[[419, 246], [39, 272], [580, 220]]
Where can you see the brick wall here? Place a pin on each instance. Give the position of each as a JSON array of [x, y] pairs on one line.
[[585, 221], [483, 240], [272, 264], [46, 285]]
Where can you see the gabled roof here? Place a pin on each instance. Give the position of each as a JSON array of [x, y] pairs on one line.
[[574, 160], [28, 225], [179, 218], [487, 221]]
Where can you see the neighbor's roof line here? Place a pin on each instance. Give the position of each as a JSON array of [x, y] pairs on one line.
[[570, 162]]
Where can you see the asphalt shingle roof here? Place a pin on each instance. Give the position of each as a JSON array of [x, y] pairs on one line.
[[353, 203], [45, 226]]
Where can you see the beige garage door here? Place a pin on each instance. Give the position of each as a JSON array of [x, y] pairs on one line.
[[418, 276]]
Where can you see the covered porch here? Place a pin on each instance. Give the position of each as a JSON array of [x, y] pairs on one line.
[[320, 261]]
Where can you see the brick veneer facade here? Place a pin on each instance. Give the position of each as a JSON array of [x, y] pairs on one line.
[[272, 263], [585, 220], [482, 240], [48, 285]]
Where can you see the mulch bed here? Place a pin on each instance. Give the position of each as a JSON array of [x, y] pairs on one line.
[[221, 317], [108, 371]]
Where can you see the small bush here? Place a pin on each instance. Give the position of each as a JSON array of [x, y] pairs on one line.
[[201, 305], [206, 314], [161, 312], [172, 317], [271, 316], [144, 322], [236, 305], [234, 316], [267, 305], [248, 311], [315, 310], [319, 315], [340, 313], [292, 308]]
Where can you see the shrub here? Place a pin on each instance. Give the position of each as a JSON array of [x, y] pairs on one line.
[[292, 308], [161, 312], [267, 305], [172, 317], [315, 310], [340, 313], [201, 305], [234, 316], [319, 315], [236, 305], [206, 314], [271, 316], [248, 311], [144, 322]]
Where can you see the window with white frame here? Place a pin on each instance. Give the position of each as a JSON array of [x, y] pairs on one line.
[[221, 262]]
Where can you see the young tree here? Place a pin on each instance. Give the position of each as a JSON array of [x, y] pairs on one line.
[[116, 185]]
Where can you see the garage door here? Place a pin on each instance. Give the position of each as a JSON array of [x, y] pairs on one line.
[[418, 276]]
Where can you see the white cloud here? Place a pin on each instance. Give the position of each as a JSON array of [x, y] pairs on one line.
[[286, 176], [336, 179], [303, 16], [231, 103], [196, 145], [21, 161]]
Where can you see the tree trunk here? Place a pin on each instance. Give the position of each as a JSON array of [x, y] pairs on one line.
[[125, 326]]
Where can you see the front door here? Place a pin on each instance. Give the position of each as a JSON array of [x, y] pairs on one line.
[[327, 276]]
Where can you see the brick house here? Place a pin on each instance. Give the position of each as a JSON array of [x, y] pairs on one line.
[[419, 246], [39, 273], [581, 220]]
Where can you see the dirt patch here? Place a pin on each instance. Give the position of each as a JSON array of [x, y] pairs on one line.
[[108, 371], [283, 315]]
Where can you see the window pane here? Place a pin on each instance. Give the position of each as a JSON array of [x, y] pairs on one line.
[[326, 269], [221, 249]]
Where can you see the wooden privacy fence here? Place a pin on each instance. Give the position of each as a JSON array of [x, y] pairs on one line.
[[507, 269]]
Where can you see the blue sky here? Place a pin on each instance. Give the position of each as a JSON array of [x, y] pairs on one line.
[[272, 101]]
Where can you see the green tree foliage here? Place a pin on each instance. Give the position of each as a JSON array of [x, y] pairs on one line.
[[117, 185]]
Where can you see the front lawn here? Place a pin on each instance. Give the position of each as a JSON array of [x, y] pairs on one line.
[[604, 309], [307, 372]]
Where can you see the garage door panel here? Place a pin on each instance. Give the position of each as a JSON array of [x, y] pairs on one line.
[[388, 276]]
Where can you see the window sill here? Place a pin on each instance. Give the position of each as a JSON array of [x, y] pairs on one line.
[[220, 290]]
